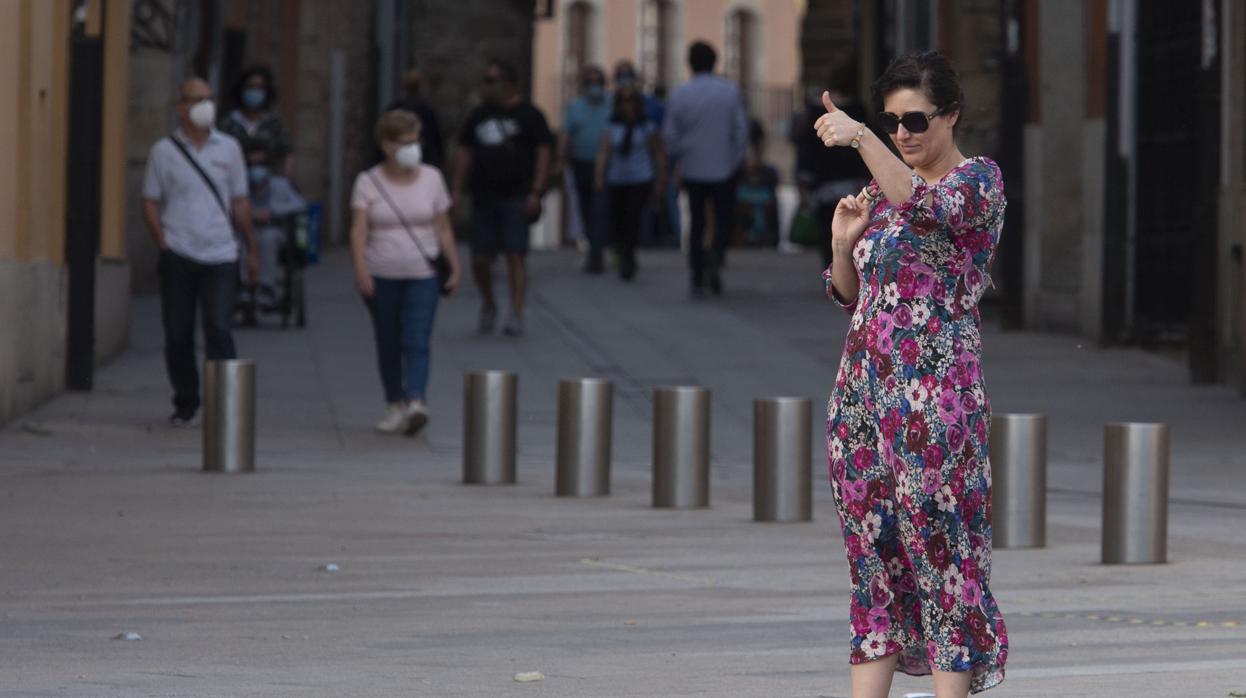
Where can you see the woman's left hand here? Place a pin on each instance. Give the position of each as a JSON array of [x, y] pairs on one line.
[[835, 127]]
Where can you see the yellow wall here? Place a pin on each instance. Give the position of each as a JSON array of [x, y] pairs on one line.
[[45, 106], [10, 52], [34, 99], [34, 50], [113, 168]]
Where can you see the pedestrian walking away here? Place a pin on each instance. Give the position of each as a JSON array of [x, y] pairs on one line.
[[194, 196], [582, 125], [631, 164], [399, 227], [504, 160], [908, 419], [706, 132]]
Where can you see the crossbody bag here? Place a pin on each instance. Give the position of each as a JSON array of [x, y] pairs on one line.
[[440, 264], [206, 179]]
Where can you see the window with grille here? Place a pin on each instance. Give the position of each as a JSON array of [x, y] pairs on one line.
[[577, 53], [655, 35], [741, 47]]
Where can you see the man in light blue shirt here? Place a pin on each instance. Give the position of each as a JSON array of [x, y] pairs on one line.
[[706, 133], [582, 126]]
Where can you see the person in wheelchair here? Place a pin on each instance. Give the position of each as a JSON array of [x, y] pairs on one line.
[[274, 206]]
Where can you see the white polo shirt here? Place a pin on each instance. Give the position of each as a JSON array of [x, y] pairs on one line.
[[194, 224]]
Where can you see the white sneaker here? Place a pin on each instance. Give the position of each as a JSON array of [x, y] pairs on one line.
[[417, 416], [395, 419]]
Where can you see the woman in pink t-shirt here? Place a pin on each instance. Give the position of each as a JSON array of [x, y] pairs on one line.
[[399, 223]]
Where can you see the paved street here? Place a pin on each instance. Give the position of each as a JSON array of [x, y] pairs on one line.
[[447, 590]]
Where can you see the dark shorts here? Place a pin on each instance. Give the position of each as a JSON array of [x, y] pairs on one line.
[[499, 225]]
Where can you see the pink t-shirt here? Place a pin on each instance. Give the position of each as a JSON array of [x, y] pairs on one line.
[[391, 251]]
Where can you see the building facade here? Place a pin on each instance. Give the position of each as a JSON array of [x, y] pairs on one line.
[[64, 281], [323, 57], [1099, 112], [757, 43]]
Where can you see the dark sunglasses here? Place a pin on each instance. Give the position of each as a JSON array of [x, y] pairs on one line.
[[913, 121], [490, 80]]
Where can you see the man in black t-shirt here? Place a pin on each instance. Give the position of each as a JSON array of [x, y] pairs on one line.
[[504, 158]]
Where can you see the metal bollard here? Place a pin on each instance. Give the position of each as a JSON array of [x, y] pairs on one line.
[[782, 459], [1018, 451], [681, 447], [1135, 493], [584, 433], [229, 416], [489, 410]]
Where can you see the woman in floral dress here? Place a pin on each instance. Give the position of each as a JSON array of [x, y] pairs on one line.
[[908, 418]]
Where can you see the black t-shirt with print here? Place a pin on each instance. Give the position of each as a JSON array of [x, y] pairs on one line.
[[504, 141]]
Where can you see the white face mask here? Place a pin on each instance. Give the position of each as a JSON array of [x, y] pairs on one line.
[[409, 156], [203, 114]]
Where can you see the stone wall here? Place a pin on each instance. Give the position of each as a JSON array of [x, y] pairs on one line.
[[34, 315], [972, 40], [827, 33], [149, 119], [328, 27], [453, 40]]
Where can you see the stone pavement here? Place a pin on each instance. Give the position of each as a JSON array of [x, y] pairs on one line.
[[447, 590]]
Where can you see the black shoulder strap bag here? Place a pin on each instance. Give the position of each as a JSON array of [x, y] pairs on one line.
[[440, 264], [206, 179]]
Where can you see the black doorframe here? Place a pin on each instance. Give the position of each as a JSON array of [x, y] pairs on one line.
[[1178, 151], [1204, 355], [82, 215]]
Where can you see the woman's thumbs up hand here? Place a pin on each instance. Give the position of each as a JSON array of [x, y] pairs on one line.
[[835, 127]]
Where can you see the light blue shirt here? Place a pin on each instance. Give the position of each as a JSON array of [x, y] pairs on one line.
[[583, 123], [706, 129], [635, 166]]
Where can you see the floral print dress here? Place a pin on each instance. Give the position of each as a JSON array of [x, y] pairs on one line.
[[907, 430]]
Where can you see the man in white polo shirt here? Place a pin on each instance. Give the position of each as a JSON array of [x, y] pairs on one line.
[[196, 182]]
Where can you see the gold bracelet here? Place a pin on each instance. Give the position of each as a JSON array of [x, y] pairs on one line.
[[856, 141]]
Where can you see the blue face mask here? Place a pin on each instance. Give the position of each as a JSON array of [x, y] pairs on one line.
[[258, 174], [254, 97], [595, 91]]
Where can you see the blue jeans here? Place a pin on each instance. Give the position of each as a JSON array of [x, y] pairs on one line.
[[402, 316], [187, 285]]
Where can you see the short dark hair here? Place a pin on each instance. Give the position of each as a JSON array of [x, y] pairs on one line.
[[509, 74], [270, 97], [930, 72], [701, 57]]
